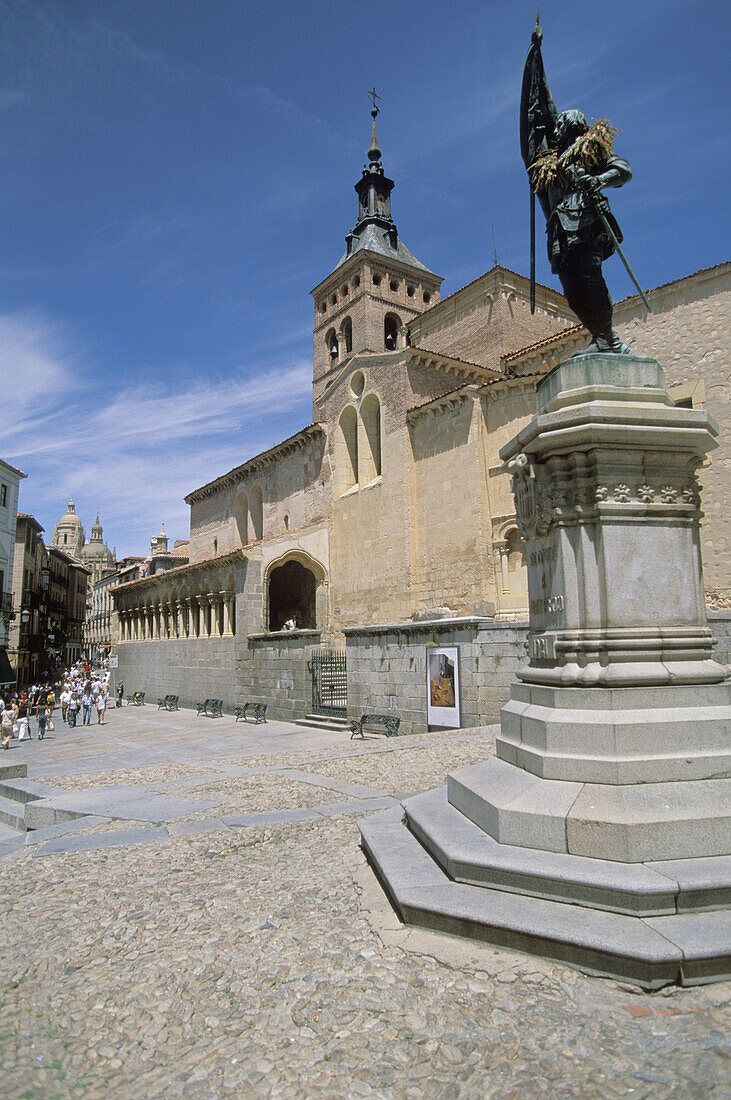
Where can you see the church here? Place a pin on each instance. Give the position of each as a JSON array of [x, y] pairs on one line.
[[324, 570], [69, 535]]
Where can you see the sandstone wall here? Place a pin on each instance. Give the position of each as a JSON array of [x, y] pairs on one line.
[[688, 333], [489, 318], [294, 492]]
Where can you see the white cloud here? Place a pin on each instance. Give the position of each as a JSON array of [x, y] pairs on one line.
[[134, 452]]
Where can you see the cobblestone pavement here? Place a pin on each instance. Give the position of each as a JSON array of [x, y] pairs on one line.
[[257, 957]]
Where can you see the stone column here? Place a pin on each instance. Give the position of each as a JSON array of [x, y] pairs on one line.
[[204, 603], [188, 617], [226, 615], [231, 612]]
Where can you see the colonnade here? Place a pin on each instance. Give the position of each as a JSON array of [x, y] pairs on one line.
[[212, 615]]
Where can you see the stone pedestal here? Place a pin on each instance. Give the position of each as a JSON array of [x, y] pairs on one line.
[[601, 834]]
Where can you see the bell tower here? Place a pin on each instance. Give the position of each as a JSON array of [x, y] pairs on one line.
[[365, 304]]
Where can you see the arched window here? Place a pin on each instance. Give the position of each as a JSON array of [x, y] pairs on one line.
[[347, 331], [292, 589], [346, 457], [516, 551], [241, 515], [391, 327], [370, 412], [331, 342], [256, 512]]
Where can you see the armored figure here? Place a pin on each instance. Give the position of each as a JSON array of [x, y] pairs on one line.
[[569, 163]]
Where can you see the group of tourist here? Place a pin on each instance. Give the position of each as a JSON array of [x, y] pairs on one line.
[[78, 692]]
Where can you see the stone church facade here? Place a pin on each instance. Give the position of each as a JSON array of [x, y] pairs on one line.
[[387, 524]]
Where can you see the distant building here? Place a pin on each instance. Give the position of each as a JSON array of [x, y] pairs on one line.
[[99, 634], [27, 641], [66, 608], [9, 482], [69, 534], [96, 555]]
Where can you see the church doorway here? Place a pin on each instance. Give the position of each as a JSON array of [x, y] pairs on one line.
[[292, 595]]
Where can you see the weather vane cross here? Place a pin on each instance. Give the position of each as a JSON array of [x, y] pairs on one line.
[[374, 96]]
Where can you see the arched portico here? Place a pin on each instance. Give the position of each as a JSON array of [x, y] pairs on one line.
[[295, 587]]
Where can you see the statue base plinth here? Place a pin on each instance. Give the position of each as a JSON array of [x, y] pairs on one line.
[[601, 834]]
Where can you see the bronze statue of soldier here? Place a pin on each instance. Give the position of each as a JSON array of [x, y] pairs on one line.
[[569, 164]]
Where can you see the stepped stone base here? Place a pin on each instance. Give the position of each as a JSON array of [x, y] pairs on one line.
[[618, 735], [521, 901], [631, 824], [600, 834]]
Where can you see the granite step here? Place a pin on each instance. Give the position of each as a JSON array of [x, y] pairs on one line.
[[324, 722], [13, 771], [12, 813], [23, 790], [651, 952], [469, 855]]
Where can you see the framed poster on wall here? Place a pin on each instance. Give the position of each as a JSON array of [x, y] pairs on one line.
[[442, 686]]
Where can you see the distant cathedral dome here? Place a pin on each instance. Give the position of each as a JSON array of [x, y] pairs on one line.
[[69, 534], [95, 554]]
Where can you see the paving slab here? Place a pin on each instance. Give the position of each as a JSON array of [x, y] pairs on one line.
[[117, 839], [127, 803], [269, 817]]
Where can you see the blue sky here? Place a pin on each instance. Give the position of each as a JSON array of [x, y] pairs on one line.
[[176, 175]]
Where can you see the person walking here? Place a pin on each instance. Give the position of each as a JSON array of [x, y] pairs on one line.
[[120, 694], [87, 701], [6, 727], [21, 718], [42, 714], [64, 700], [73, 709], [101, 706]]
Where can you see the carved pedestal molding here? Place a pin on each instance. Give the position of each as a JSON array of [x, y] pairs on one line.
[[606, 812]]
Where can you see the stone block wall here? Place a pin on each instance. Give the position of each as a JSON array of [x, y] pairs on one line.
[[273, 670], [193, 668], [720, 624], [387, 668]]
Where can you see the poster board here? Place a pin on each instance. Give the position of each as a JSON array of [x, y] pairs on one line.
[[113, 661], [442, 686]]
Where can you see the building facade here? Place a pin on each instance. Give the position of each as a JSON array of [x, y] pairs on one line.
[[28, 630], [9, 485], [387, 524]]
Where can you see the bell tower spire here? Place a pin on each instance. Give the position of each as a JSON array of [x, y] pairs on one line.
[[374, 194], [366, 302]]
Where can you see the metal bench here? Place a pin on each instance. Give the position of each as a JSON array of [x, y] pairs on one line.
[[170, 702], [136, 699], [386, 724], [258, 710], [212, 708]]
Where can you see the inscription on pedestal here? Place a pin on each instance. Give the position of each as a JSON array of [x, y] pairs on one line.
[[545, 584]]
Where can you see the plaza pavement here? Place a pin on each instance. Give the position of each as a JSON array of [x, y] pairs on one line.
[[212, 930]]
